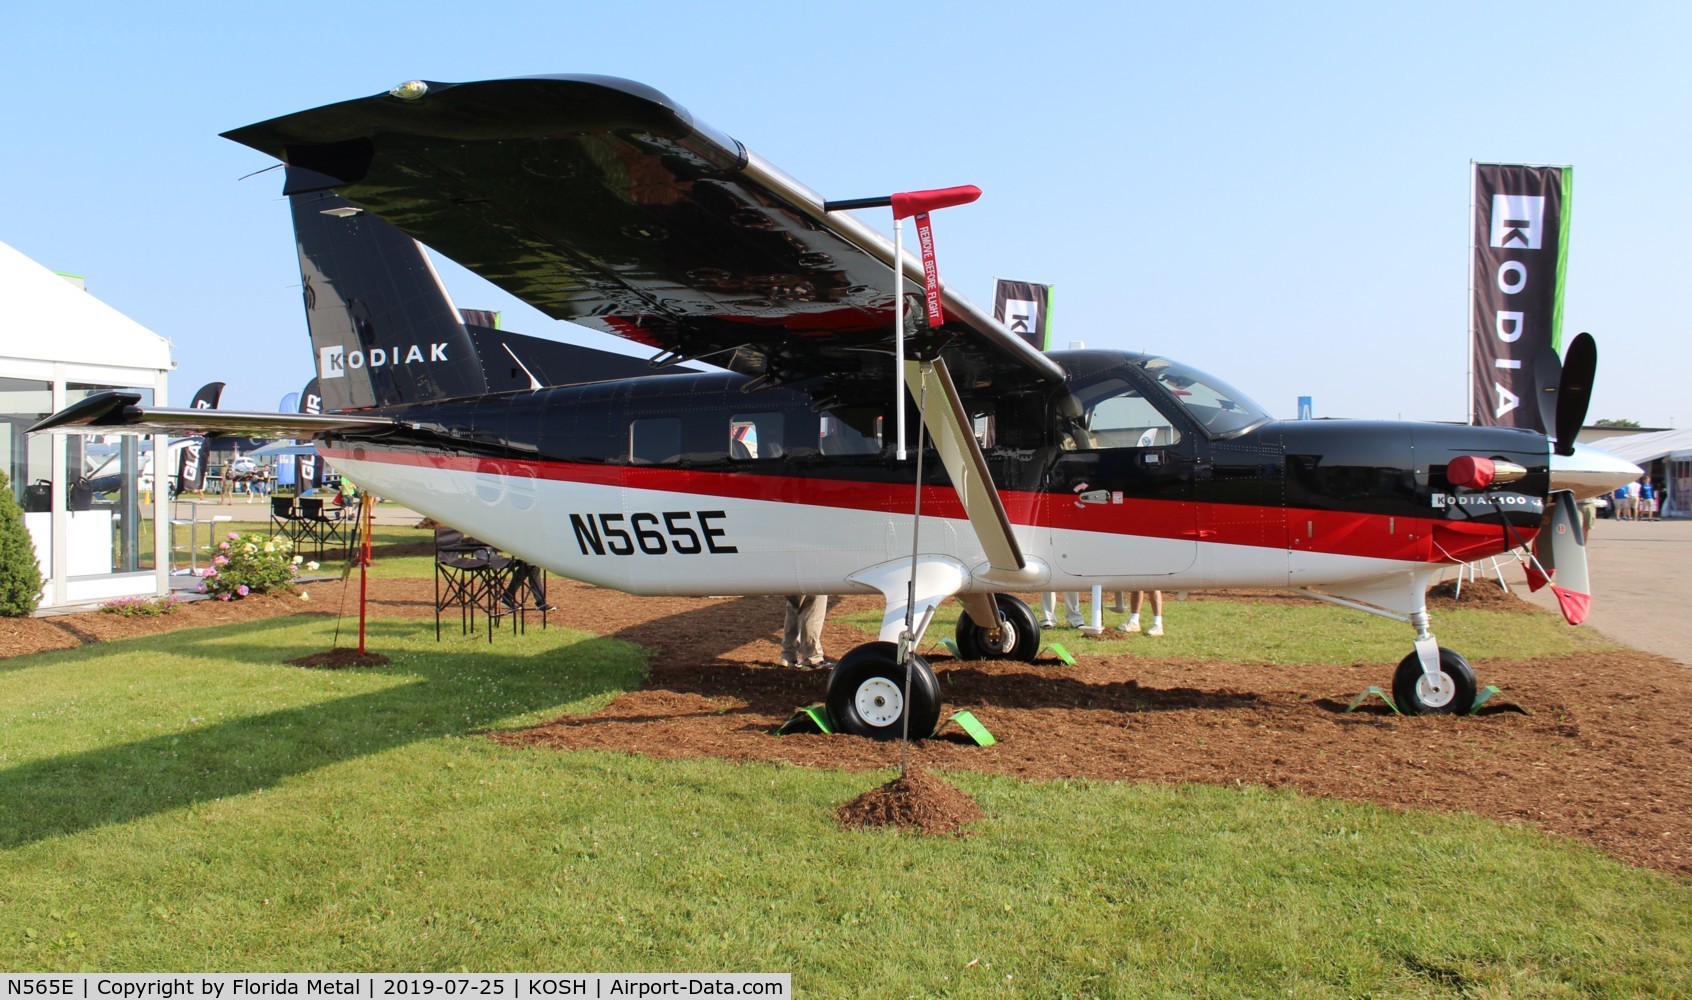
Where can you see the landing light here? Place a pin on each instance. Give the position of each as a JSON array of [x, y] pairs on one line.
[[410, 90]]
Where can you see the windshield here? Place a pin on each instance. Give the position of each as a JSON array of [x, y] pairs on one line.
[[1221, 409]]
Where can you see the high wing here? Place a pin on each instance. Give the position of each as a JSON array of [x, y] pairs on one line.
[[602, 201]]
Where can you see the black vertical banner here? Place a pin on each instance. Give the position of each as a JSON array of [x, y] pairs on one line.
[[1025, 310], [190, 471], [308, 473], [1520, 240]]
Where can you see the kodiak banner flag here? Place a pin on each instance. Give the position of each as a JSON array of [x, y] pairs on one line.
[[1024, 308], [190, 472], [308, 472], [1521, 250]]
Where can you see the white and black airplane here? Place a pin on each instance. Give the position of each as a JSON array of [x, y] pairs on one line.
[[603, 202]]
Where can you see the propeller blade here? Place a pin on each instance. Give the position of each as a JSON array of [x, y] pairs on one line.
[[1568, 552], [1574, 391], [1547, 377], [1543, 565]]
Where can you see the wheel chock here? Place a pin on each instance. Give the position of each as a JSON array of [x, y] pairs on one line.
[[967, 721], [951, 647], [1375, 691], [1058, 651], [1486, 696], [810, 719]]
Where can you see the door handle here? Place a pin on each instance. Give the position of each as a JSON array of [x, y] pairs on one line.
[[1093, 496]]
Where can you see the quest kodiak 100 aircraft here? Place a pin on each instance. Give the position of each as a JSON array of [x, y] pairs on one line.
[[603, 202]]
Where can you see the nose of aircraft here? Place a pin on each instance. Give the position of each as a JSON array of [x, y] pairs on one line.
[[1591, 472]]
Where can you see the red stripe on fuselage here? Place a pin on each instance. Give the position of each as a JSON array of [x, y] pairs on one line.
[[1350, 533]]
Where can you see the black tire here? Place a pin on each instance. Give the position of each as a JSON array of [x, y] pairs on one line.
[[1024, 637], [1414, 698], [866, 692]]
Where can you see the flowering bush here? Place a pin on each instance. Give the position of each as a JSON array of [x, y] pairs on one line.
[[132, 607], [250, 564]]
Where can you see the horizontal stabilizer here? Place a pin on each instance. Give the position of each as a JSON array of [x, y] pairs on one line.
[[110, 412]]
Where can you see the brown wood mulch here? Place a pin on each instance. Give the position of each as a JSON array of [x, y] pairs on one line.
[[1605, 756], [916, 801]]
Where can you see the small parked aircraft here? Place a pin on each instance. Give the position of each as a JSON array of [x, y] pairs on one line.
[[603, 202]]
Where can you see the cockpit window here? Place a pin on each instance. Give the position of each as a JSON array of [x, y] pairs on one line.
[[1114, 413], [1221, 409]]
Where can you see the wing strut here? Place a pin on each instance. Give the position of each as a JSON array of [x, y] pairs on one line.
[[948, 423]]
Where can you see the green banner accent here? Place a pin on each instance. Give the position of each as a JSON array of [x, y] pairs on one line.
[[974, 728], [1046, 341], [1562, 260]]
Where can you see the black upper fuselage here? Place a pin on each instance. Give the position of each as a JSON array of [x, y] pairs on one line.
[[706, 423]]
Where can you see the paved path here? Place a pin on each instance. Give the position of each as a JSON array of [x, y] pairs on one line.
[[240, 509], [1641, 585]]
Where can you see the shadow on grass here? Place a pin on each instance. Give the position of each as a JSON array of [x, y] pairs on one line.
[[449, 693]]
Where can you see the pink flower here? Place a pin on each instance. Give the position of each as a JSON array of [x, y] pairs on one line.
[[211, 571], [242, 590], [223, 546], [234, 536], [200, 589], [223, 597], [221, 561]]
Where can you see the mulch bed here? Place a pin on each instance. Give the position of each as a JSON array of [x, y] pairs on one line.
[[1605, 757], [339, 659]]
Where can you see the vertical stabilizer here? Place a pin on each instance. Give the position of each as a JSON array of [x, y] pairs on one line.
[[383, 329]]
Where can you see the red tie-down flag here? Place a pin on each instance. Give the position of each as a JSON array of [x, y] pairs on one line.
[[919, 204]]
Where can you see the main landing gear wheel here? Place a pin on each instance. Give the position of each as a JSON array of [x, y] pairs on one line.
[[1018, 636], [866, 694], [1453, 694]]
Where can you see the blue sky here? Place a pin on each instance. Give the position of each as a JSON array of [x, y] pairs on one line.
[[1277, 193]]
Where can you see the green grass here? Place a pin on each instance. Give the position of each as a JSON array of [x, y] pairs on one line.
[[1271, 632], [191, 802]]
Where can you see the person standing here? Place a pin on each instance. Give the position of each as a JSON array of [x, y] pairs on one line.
[[801, 632], [1647, 501], [1133, 622], [1071, 609]]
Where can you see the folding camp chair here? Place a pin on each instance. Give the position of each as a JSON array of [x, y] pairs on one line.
[[323, 524], [470, 574]]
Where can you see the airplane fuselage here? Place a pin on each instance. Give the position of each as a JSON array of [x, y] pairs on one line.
[[686, 484]]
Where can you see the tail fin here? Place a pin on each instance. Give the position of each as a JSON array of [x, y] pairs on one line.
[[383, 330]]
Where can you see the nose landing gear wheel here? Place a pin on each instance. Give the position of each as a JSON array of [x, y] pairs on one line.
[[1452, 692], [1018, 636], [866, 694]]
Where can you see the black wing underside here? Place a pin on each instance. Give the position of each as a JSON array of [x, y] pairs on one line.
[[601, 201]]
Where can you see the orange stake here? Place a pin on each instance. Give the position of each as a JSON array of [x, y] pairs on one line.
[[364, 518]]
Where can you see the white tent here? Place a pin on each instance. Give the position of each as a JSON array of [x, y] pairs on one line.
[[1674, 450], [59, 344], [57, 318], [1649, 446]]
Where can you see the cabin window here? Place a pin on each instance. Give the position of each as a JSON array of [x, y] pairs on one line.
[[655, 441], [1118, 415], [850, 431], [755, 436]]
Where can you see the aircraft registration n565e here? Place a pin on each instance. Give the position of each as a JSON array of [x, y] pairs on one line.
[[603, 202]]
